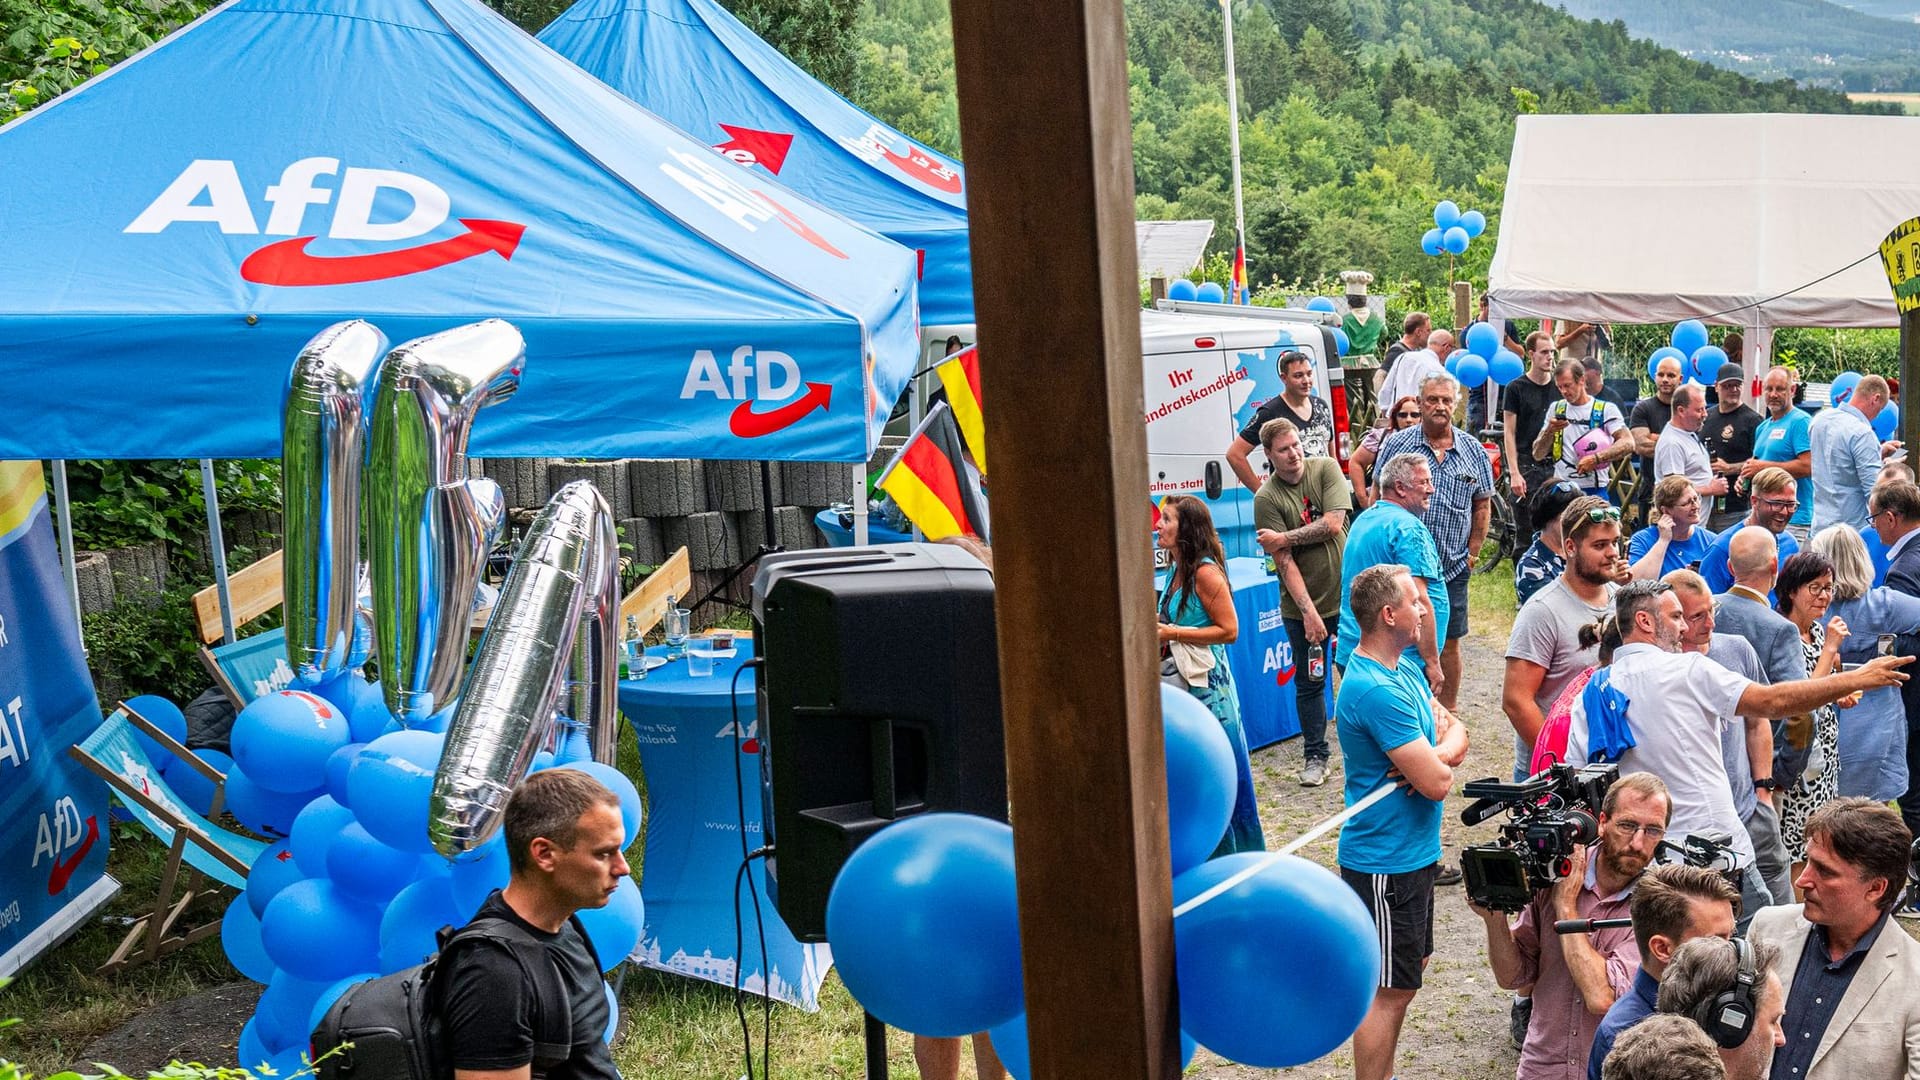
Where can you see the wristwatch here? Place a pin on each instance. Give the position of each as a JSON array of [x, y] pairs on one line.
[[1766, 784]]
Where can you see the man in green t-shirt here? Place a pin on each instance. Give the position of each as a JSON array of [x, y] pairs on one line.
[[1300, 519]]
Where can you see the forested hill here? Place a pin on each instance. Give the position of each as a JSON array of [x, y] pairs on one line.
[[1808, 39]]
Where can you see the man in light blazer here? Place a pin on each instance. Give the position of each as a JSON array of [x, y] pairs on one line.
[[1852, 974]]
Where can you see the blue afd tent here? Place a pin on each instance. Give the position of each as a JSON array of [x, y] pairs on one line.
[[694, 64], [177, 228]]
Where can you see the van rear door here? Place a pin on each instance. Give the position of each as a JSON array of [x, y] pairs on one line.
[[1189, 403]]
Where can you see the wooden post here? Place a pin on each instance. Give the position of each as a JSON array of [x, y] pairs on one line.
[[1157, 287], [1047, 136]]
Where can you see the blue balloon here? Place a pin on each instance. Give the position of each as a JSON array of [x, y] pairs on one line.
[[1483, 340], [1433, 242], [164, 715], [616, 781], [542, 760], [283, 740], [367, 869], [186, 781], [1210, 292], [315, 829], [284, 1008], [1688, 336], [269, 813], [389, 784], [339, 766], [613, 1013], [478, 873], [1201, 779], [1452, 362], [615, 929], [1505, 367], [1010, 1046], [1455, 241], [1446, 214], [411, 924], [240, 936], [1663, 354], [1471, 371], [332, 994], [274, 870], [574, 748], [1320, 303], [1842, 387], [252, 1052], [1474, 222], [1279, 969], [314, 931], [289, 1061], [1181, 289], [1340, 342], [925, 925], [369, 719], [1887, 423], [362, 646], [337, 690], [1704, 364]]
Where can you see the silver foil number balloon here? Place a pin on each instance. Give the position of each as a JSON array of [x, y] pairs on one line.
[[553, 625], [323, 439], [428, 526]]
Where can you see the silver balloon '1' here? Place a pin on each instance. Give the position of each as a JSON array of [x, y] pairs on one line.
[[428, 526], [552, 616], [323, 439]]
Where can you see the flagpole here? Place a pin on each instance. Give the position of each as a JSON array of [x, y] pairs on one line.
[[1233, 132]]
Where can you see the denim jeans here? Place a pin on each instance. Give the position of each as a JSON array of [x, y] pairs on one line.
[[1310, 694]]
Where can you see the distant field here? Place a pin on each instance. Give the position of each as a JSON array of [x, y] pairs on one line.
[[1909, 102]]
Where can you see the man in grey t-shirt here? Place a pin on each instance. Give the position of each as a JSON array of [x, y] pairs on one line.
[[1544, 652]]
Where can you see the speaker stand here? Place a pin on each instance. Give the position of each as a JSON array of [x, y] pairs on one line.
[[876, 1033], [769, 545]]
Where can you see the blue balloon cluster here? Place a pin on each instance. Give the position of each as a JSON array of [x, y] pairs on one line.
[[355, 889], [1453, 229], [1699, 361], [1276, 966]]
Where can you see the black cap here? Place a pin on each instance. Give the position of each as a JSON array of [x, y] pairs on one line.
[[1730, 370]]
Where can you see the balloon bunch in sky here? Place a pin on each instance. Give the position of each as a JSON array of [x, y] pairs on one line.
[[1453, 230], [1275, 956], [1207, 292], [1482, 357]]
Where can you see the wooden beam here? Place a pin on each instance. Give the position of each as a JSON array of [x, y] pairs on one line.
[[255, 590], [1047, 137], [648, 600]]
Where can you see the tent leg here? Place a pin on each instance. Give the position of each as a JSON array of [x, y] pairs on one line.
[[859, 512], [1758, 356], [217, 546], [916, 411], [63, 514]]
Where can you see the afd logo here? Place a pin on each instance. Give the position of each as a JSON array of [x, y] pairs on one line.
[[64, 839], [1279, 662], [751, 377], [372, 205], [877, 146], [747, 734], [747, 207]]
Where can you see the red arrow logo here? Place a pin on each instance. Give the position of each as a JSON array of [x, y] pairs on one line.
[[800, 228], [287, 262], [749, 146], [63, 868], [920, 165], [747, 424]]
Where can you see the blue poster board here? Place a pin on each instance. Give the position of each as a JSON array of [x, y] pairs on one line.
[[1261, 659], [53, 813], [693, 757]]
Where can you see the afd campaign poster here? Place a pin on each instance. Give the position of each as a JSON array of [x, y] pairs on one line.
[[53, 813]]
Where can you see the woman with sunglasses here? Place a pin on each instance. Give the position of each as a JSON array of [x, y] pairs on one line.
[[1873, 741], [1404, 414], [1803, 594]]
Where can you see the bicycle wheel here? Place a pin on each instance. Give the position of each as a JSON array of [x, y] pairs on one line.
[[1503, 532]]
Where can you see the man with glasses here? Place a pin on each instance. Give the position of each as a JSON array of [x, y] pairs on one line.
[[1774, 505], [1459, 512], [1784, 439], [1577, 977], [1658, 709], [1729, 435], [1582, 436], [1523, 409], [1894, 509], [1390, 531]]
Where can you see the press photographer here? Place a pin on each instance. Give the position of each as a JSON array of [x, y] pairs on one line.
[[1577, 977]]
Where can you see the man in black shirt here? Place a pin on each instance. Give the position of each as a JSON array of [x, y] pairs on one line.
[[1509, 340], [1597, 384], [1296, 403], [1413, 335], [1649, 419], [1728, 434], [1523, 408], [564, 839]]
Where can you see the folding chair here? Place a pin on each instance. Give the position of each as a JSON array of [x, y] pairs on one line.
[[249, 668], [112, 753]]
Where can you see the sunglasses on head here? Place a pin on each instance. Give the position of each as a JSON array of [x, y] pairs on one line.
[[1603, 513]]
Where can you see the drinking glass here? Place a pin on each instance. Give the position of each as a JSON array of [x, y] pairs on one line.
[[679, 621], [700, 654]]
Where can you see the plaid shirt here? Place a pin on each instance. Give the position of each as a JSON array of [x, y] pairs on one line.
[[1462, 480]]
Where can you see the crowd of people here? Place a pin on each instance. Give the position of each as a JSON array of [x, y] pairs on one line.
[[1738, 659]]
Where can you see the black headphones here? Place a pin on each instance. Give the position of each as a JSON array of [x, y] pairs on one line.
[[1728, 1015]]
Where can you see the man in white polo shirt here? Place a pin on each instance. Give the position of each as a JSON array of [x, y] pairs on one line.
[[1681, 451], [1657, 709]]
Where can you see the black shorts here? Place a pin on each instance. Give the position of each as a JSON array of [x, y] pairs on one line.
[[1402, 909], [1457, 605]]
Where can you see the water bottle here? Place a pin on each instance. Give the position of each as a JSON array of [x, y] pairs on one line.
[[1317, 661]]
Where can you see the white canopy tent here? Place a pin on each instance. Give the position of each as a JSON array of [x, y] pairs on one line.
[[1754, 220]]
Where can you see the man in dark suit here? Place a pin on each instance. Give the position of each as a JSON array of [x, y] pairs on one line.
[[1894, 513], [1744, 612]]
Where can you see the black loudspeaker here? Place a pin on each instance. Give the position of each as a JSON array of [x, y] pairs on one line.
[[879, 698]]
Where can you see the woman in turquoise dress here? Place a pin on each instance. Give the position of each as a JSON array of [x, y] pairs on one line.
[[1197, 608]]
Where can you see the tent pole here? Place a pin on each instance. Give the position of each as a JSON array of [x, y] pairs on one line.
[[217, 547], [859, 510], [916, 411], [63, 513]]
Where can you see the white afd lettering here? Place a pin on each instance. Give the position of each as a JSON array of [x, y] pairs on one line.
[[762, 375], [59, 830], [13, 735], [716, 189], [353, 218], [1279, 657], [226, 203], [211, 191]]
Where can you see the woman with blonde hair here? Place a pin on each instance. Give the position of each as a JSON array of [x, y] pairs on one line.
[[1873, 740]]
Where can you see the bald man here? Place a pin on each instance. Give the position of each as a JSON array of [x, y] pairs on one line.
[[1415, 366], [1847, 455], [1649, 419]]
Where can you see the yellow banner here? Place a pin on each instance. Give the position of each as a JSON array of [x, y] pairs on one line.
[[1900, 255], [20, 489]]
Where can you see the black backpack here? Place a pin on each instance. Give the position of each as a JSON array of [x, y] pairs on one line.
[[396, 1026]]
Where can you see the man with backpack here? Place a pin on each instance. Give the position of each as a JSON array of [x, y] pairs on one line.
[[1582, 436]]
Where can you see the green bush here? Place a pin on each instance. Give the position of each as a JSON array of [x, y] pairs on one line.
[[149, 644], [117, 503]]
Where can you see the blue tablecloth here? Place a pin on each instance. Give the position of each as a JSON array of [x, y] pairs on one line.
[[838, 535], [687, 737], [1261, 659]]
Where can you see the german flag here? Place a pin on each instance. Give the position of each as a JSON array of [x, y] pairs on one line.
[[929, 482], [960, 374], [1237, 294]]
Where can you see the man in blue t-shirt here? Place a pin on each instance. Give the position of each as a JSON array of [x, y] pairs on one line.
[[1785, 438], [1390, 531], [1773, 507], [1676, 540], [1393, 734]]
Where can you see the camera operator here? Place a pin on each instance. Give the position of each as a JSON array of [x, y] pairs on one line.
[[1672, 905], [1728, 989], [1575, 980]]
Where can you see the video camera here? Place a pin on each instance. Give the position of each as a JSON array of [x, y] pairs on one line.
[[1552, 811]]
